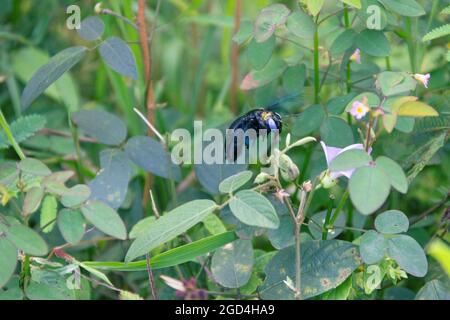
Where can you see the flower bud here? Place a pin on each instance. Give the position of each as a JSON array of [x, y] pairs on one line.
[[288, 169], [98, 8], [326, 181], [262, 177]]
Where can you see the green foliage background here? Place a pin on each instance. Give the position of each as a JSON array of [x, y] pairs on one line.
[[75, 161]]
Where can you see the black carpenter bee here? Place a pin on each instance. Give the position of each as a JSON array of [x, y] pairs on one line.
[[257, 119]]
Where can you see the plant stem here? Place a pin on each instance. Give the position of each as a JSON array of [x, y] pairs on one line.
[[76, 142], [411, 47], [327, 219], [339, 208], [235, 60], [346, 17], [9, 135], [151, 278], [388, 63], [298, 261], [316, 67]]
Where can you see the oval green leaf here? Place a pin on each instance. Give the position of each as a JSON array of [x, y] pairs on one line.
[[253, 209], [373, 247], [118, 56], [351, 159], [369, 188], [391, 222], [408, 254], [50, 72], [71, 223], [104, 219], [232, 264], [169, 226], [234, 182]]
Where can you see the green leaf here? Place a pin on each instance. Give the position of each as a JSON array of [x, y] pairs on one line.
[[374, 43], [283, 236], [104, 219], [337, 105], [213, 224], [408, 8], [118, 56], [341, 292], [245, 32], [354, 3], [369, 188], [438, 32], [294, 77], [151, 155], [23, 128], [301, 25], [259, 53], [395, 83], [12, 290], [232, 264], [314, 6], [423, 155], [106, 127], [26, 240], [111, 183], [34, 167], [32, 200], [343, 41], [169, 226], [350, 159], [373, 247], [394, 172], [416, 109], [141, 226], [50, 72], [269, 18], [408, 254], [434, 290], [317, 221], [234, 182], [269, 73], [172, 257], [91, 28], [392, 221], [96, 273], [253, 209], [211, 175], [8, 261], [308, 121], [48, 285], [329, 129], [71, 223], [48, 213], [325, 265], [75, 196]]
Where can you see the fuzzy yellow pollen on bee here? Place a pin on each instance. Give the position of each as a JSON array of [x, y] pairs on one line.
[[266, 115]]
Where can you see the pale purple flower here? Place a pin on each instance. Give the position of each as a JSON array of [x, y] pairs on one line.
[[423, 78], [359, 109], [356, 56], [333, 152]]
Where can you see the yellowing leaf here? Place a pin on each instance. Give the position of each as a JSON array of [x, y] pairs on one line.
[[441, 252], [416, 109], [400, 101], [314, 6], [389, 121], [353, 3]]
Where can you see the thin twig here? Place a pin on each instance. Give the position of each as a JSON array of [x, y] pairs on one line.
[[151, 278], [427, 212], [150, 126]]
